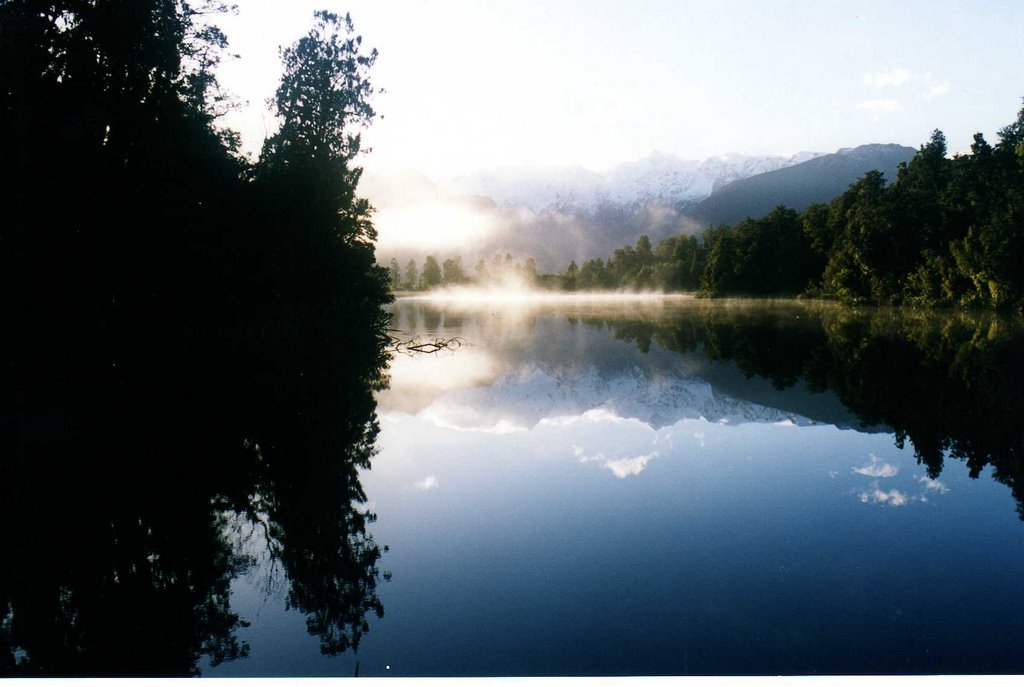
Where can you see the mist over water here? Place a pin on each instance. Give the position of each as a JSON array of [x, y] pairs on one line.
[[521, 294], [416, 216]]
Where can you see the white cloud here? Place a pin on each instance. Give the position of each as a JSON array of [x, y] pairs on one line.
[[898, 77], [878, 109], [426, 484], [877, 468], [933, 485], [887, 78], [936, 89]]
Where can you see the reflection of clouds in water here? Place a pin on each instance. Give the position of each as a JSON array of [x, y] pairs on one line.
[[933, 484], [624, 467], [438, 373], [893, 497], [415, 381], [877, 468], [620, 467]]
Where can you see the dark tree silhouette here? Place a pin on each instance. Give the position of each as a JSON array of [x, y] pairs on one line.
[[189, 340]]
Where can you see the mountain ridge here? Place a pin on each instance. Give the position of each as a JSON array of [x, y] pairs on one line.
[[559, 214], [658, 178], [818, 180]]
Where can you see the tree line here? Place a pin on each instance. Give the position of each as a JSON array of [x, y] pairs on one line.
[[946, 231], [499, 271]]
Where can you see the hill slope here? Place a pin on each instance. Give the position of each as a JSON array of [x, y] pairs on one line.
[[816, 181]]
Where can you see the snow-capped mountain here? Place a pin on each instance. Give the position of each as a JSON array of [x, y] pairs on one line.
[[658, 178]]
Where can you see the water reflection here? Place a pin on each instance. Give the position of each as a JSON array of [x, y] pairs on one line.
[[133, 481], [949, 384], [684, 487], [724, 480]]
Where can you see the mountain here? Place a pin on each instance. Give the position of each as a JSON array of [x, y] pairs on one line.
[[818, 180], [657, 179], [558, 214]]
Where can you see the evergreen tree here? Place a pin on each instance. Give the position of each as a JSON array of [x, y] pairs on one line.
[[412, 276], [451, 271], [431, 276], [571, 275], [530, 271], [394, 275]]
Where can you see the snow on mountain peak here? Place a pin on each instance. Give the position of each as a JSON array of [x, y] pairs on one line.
[[657, 178]]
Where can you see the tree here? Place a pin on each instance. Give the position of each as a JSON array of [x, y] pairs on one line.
[[394, 275], [571, 274], [482, 277], [110, 105], [321, 102], [452, 272], [325, 90], [863, 268], [644, 254], [592, 275], [412, 276], [431, 276], [529, 271]]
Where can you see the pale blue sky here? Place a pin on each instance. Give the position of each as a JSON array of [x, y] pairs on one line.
[[474, 85]]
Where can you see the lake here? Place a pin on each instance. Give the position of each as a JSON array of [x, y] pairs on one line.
[[571, 486], [668, 486]]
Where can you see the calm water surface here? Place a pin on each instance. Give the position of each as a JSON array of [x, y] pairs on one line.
[[679, 487], [583, 487]]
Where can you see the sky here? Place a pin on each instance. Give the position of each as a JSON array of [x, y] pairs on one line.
[[522, 83]]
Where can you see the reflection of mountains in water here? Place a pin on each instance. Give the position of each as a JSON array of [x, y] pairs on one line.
[[546, 364], [522, 399], [950, 383]]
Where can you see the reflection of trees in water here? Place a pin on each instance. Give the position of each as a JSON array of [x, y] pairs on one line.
[[950, 383], [116, 489]]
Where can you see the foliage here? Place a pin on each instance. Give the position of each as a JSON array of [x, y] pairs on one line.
[[195, 338], [946, 231], [504, 271], [431, 275]]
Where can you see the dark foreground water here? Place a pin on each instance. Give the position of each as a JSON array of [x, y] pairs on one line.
[[599, 488]]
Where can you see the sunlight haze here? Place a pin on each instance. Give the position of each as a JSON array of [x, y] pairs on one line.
[[481, 85]]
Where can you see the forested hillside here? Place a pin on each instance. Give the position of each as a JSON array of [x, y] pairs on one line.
[[815, 181], [946, 231]]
